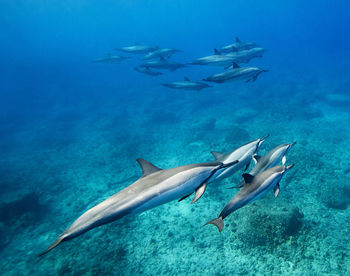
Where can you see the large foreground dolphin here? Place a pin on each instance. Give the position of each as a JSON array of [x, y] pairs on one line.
[[187, 84], [237, 73], [238, 46], [137, 49], [274, 157], [255, 187], [155, 187], [243, 155]]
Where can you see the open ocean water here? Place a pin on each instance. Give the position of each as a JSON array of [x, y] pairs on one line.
[[71, 129]]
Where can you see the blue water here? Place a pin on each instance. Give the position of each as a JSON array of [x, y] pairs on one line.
[[70, 131]]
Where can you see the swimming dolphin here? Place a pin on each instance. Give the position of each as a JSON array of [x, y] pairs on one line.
[[255, 187], [243, 154], [164, 52], [214, 60], [147, 71], [110, 59], [162, 63], [237, 73], [137, 49], [238, 46], [187, 84], [272, 158], [154, 188], [245, 56]]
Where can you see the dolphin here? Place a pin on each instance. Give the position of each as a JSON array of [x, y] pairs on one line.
[[237, 73], [187, 84], [164, 52], [162, 63], [245, 56], [214, 60], [110, 59], [238, 45], [272, 158], [243, 155], [255, 187], [147, 71], [154, 188], [137, 49]]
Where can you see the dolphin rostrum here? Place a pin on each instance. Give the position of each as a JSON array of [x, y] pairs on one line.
[[164, 52], [147, 71], [155, 187], [243, 155], [109, 58], [137, 49], [254, 188], [238, 46], [237, 73], [187, 84], [272, 158], [162, 63]]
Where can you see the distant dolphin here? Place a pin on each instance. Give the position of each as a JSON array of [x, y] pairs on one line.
[[245, 56], [110, 59], [154, 188], [243, 154], [137, 49], [147, 71], [237, 73], [162, 63], [187, 84], [214, 60], [238, 46], [272, 158], [255, 187], [164, 52]]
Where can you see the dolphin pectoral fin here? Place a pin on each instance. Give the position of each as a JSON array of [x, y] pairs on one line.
[[248, 80], [247, 166], [256, 158], [284, 160], [181, 199], [248, 178], [277, 190], [255, 77], [147, 167], [218, 222], [199, 192]]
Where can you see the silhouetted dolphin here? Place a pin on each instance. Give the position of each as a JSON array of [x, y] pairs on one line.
[[110, 59], [155, 187], [255, 187], [162, 63], [187, 84], [237, 73], [147, 71], [272, 158], [243, 155], [238, 46], [164, 52], [137, 49]]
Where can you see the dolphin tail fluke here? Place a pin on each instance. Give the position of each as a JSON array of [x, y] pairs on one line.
[[52, 246], [218, 222]]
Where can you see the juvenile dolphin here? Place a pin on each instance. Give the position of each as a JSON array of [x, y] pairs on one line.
[[187, 84], [245, 56], [272, 158], [238, 46], [155, 187], [214, 60], [237, 73], [164, 52], [162, 63], [243, 155], [110, 59], [147, 71], [137, 49], [255, 187]]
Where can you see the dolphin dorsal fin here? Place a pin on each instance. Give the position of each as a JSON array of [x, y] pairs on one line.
[[219, 156], [238, 40], [235, 65], [256, 158], [147, 167], [248, 178], [186, 79], [217, 52]]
